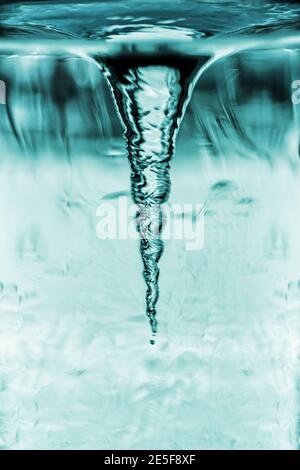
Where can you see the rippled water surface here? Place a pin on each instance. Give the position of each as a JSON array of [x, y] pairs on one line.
[[158, 105]]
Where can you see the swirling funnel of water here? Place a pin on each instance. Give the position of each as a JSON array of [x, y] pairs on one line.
[[151, 93]]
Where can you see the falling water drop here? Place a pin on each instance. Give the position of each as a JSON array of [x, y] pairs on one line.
[[151, 93]]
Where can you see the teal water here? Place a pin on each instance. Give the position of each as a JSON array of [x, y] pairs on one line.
[[180, 107]]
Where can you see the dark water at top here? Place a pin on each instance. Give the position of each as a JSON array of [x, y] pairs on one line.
[[107, 19]]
